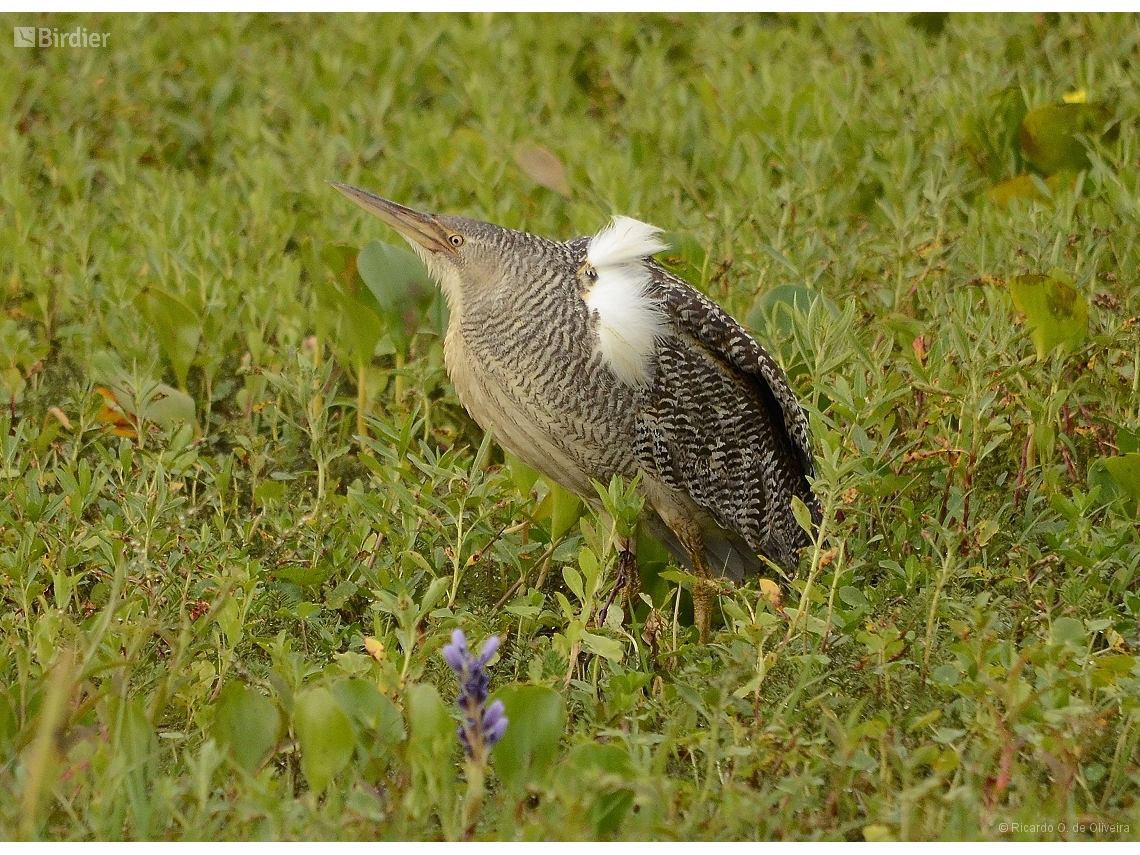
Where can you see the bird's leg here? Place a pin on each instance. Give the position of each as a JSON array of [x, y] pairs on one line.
[[704, 595], [687, 526]]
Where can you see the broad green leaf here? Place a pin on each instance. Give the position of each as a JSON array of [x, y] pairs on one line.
[[1055, 312], [599, 758], [1048, 135], [395, 276], [12, 382], [852, 596], [1030, 187], [1066, 630], [432, 732], [370, 709], [348, 320], [176, 326], [526, 753], [432, 740], [131, 732], [600, 645], [523, 476], [802, 514], [1101, 479], [930, 23], [269, 491], [905, 328], [603, 768], [566, 510], [155, 403], [1125, 471], [1127, 439], [168, 407], [247, 722], [325, 735], [679, 577], [401, 285]]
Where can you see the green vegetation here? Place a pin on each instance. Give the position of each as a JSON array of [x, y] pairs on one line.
[[242, 511]]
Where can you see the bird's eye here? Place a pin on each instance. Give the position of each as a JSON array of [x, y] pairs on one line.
[[456, 241]]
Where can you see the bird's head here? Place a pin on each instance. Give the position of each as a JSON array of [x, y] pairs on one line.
[[463, 255]]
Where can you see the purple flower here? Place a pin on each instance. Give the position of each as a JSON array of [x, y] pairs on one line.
[[483, 725]]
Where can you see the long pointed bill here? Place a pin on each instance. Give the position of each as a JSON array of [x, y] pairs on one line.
[[419, 228]]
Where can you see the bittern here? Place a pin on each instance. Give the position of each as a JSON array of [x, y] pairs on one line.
[[587, 358]]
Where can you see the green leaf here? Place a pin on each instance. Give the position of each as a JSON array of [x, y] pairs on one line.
[[1029, 187], [522, 476], [600, 645], [370, 710], [401, 285], [1055, 312], [573, 580], [678, 577], [525, 754], [176, 326], [9, 726], [269, 491], [1066, 630], [1125, 471], [247, 722], [802, 514], [852, 596], [604, 768], [325, 735], [156, 403], [566, 510], [132, 735], [1048, 135], [432, 732], [347, 320], [1127, 440], [432, 739], [930, 23]]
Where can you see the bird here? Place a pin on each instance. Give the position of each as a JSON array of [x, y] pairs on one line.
[[586, 358]]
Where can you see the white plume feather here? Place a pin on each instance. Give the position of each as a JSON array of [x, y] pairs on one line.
[[629, 321], [624, 241]]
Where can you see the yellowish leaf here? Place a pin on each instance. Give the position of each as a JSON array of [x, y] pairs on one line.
[[771, 592], [542, 166], [375, 649]]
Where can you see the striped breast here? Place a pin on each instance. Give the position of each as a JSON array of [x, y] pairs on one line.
[[524, 365]]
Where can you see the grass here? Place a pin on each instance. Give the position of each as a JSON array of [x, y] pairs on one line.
[[186, 603]]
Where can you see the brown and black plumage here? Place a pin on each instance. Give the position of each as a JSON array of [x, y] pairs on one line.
[[587, 359]]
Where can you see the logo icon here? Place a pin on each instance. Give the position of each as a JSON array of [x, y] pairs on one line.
[[24, 36]]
